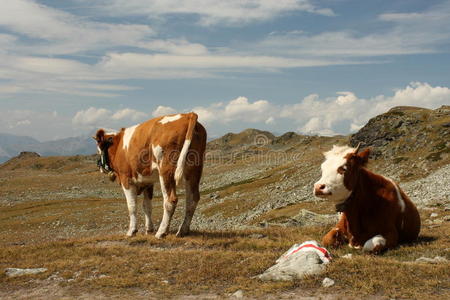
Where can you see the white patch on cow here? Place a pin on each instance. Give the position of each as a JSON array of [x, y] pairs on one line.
[[158, 153], [131, 195], [400, 200], [182, 161], [128, 134], [99, 151], [334, 182], [168, 119], [377, 240]]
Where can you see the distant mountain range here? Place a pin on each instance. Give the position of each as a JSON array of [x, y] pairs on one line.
[[12, 145]]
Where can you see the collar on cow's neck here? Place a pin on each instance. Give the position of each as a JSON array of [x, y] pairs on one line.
[[342, 206], [104, 162]]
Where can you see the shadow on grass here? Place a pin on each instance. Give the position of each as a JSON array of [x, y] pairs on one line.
[[424, 239]]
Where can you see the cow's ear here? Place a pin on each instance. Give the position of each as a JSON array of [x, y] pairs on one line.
[[364, 156], [100, 135]]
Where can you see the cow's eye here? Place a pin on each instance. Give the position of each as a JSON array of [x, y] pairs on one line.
[[342, 169]]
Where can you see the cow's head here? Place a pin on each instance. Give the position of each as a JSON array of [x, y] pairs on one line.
[[340, 171], [104, 142]]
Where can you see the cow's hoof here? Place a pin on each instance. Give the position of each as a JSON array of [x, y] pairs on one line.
[[160, 235], [131, 233]]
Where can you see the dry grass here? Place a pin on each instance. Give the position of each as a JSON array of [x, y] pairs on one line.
[[213, 262]]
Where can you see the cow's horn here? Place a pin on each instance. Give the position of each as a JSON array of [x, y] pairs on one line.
[[357, 147]]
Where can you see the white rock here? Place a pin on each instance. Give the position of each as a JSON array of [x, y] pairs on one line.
[[238, 294], [14, 272], [435, 260], [296, 267], [348, 256], [434, 215], [327, 282]]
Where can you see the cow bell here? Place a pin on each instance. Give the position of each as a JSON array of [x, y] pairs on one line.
[[112, 175]]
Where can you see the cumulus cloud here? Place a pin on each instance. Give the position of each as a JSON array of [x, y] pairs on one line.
[[130, 114], [94, 117], [347, 113], [239, 109], [163, 110], [341, 114], [91, 116]]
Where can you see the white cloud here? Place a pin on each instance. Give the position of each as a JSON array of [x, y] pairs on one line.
[[163, 110], [91, 116], [270, 121], [130, 114], [35, 123], [214, 12], [341, 114], [58, 32], [348, 113], [239, 109]]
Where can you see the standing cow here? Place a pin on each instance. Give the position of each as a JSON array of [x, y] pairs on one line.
[[376, 213], [167, 149]]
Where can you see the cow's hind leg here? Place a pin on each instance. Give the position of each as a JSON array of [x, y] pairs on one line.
[[131, 196], [192, 198], [147, 207], [381, 242], [168, 189]]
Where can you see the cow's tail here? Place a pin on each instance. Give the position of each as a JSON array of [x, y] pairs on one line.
[[181, 163]]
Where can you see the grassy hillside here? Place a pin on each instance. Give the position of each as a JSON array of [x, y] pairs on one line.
[[62, 214]]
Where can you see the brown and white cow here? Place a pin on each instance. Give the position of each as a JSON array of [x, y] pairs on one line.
[[167, 150], [376, 213]]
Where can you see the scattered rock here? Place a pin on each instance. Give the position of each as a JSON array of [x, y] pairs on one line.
[[257, 236], [309, 218], [435, 260], [434, 215], [238, 294], [348, 256], [327, 282], [14, 272]]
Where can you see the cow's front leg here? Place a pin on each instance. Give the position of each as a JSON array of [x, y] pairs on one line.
[[131, 195], [337, 236], [147, 207], [168, 189]]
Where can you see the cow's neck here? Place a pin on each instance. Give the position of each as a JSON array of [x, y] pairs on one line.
[[113, 149], [360, 200]]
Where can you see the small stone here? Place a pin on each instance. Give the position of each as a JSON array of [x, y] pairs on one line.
[[238, 294], [434, 215], [14, 272], [327, 282], [348, 256], [257, 236], [435, 260]]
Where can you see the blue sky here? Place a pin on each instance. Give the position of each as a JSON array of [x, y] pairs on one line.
[[311, 66]]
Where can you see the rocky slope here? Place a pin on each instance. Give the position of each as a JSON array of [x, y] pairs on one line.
[[254, 177]]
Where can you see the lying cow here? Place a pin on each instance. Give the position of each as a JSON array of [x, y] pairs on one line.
[[166, 149], [376, 213]]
